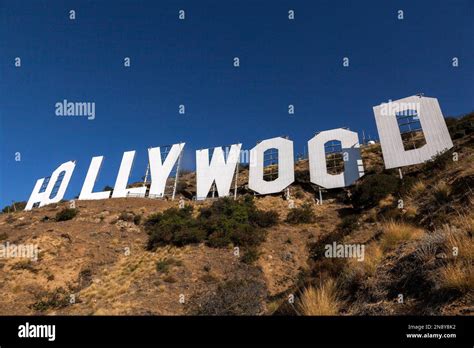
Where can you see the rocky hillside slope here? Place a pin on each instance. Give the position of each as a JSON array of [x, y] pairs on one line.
[[417, 234]]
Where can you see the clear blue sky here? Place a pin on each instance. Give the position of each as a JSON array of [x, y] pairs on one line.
[[190, 62]]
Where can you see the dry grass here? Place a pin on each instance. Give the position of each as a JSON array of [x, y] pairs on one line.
[[320, 301], [465, 222], [426, 252], [410, 211], [458, 243], [386, 202], [396, 232], [458, 276], [418, 188], [272, 307], [441, 191], [373, 255]]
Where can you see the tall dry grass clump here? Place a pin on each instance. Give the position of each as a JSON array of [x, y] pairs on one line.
[[458, 276], [418, 188], [394, 232], [458, 244], [442, 191], [320, 301], [465, 222], [386, 202], [372, 258], [373, 255]]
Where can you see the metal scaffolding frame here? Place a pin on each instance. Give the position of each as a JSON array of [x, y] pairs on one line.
[[270, 165], [213, 190], [334, 157], [410, 129], [173, 178]]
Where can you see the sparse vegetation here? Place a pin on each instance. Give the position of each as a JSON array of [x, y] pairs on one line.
[[233, 297], [163, 266], [438, 162], [418, 188], [348, 224], [170, 279], [10, 219], [208, 278], [301, 215], [130, 217], [441, 192], [250, 256], [85, 278], [58, 298], [66, 214], [14, 207], [25, 264], [372, 189], [125, 216], [461, 127]]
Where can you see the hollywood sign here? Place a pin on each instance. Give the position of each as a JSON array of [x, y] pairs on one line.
[[220, 170]]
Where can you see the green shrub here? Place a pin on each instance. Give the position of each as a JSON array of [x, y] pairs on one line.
[[391, 213], [17, 206], [372, 189], [442, 192], [130, 217], [302, 176], [58, 298], [66, 214], [137, 219], [250, 256], [182, 187], [317, 249], [460, 127], [348, 224], [125, 216], [225, 222], [235, 221], [299, 194], [302, 215], [438, 162], [173, 226], [264, 218]]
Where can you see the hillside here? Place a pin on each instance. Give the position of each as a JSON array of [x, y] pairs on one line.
[[417, 234]]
